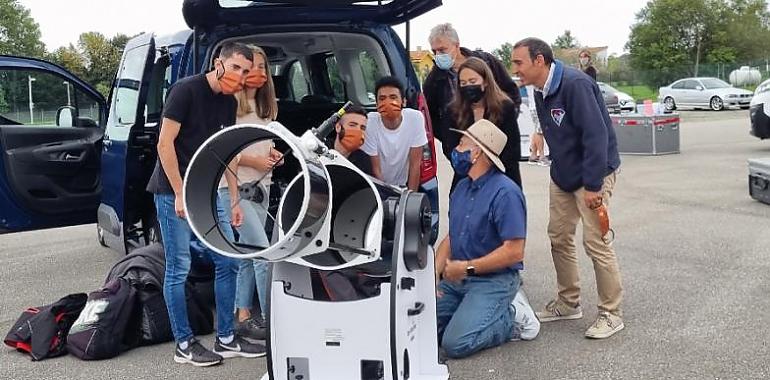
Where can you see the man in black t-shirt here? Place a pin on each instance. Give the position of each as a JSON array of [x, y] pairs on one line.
[[196, 108], [350, 137]]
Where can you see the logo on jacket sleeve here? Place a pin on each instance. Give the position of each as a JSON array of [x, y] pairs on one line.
[[557, 114]]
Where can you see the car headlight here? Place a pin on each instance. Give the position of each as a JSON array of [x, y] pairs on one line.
[[763, 88], [732, 96]]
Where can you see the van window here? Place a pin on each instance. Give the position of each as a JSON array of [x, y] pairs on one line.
[[160, 82], [335, 81], [299, 86], [371, 73], [127, 86], [330, 67], [31, 97]]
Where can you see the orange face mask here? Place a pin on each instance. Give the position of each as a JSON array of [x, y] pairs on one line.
[[604, 223], [389, 109], [230, 81], [351, 139], [256, 79]]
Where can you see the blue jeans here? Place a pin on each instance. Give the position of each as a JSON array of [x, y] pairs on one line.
[[177, 237], [475, 314], [252, 274]]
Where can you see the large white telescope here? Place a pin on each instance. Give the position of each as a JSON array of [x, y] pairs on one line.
[[331, 219]]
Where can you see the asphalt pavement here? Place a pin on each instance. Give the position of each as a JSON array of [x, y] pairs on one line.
[[694, 254]]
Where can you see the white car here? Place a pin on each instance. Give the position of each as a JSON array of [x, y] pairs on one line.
[[627, 103], [759, 113], [527, 123], [712, 93]]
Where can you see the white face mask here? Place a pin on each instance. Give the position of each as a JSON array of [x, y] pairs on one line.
[[584, 61]]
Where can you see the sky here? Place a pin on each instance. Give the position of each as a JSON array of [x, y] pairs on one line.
[[484, 24]]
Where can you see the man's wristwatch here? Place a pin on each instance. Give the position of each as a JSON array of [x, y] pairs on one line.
[[470, 270]]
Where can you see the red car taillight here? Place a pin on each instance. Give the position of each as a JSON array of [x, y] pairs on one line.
[[428, 165]]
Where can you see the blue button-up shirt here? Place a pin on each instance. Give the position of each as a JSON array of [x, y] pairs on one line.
[[484, 213]]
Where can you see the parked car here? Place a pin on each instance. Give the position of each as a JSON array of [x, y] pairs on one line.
[[611, 99], [526, 123], [526, 127], [89, 160], [759, 112], [625, 101], [712, 93]]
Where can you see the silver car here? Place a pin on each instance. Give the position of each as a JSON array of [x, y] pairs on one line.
[[610, 97], [625, 101], [713, 93]]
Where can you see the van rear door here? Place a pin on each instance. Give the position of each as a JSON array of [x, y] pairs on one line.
[[209, 13]]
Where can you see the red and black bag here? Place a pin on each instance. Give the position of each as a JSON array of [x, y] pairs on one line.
[[42, 331]]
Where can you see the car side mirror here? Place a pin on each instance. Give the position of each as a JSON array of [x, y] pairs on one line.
[[699, 88], [65, 116]]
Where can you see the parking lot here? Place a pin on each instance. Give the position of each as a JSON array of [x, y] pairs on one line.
[[692, 244]]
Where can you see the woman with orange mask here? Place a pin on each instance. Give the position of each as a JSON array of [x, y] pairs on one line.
[[256, 105]]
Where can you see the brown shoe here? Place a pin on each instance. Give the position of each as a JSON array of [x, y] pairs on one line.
[[557, 311]]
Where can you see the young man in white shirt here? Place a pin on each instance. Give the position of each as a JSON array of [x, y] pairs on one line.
[[395, 136]]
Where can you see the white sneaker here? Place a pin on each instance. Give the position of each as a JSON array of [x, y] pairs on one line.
[[525, 323]]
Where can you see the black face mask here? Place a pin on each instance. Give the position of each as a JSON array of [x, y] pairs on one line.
[[472, 93]]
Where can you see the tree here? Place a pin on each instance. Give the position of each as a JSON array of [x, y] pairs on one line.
[[101, 60], [19, 33], [3, 103], [70, 58], [748, 29], [674, 38], [566, 41], [94, 59], [505, 54]]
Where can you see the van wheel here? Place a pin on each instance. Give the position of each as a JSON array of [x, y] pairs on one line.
[[100, 236], [716, 104], [669, 103]]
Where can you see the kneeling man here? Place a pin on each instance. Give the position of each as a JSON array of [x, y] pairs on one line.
[[479, 262]]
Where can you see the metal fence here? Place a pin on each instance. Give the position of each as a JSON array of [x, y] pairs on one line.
[[641, 84], [46, 117]]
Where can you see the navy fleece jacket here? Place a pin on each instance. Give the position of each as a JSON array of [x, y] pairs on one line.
[[578, 130]]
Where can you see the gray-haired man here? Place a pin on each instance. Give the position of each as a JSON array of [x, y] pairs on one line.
[[441, 84]]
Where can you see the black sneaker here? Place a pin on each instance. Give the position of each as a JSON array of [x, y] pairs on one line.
[[251, 328], [239, 347], [196, 355]]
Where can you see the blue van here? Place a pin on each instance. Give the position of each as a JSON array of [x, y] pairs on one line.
[[71, 157]]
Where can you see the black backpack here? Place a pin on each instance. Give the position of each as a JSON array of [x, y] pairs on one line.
[[42, 331], [144, 270], [99, 331]]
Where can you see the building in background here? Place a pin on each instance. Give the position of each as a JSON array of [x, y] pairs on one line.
[[422, 60]]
